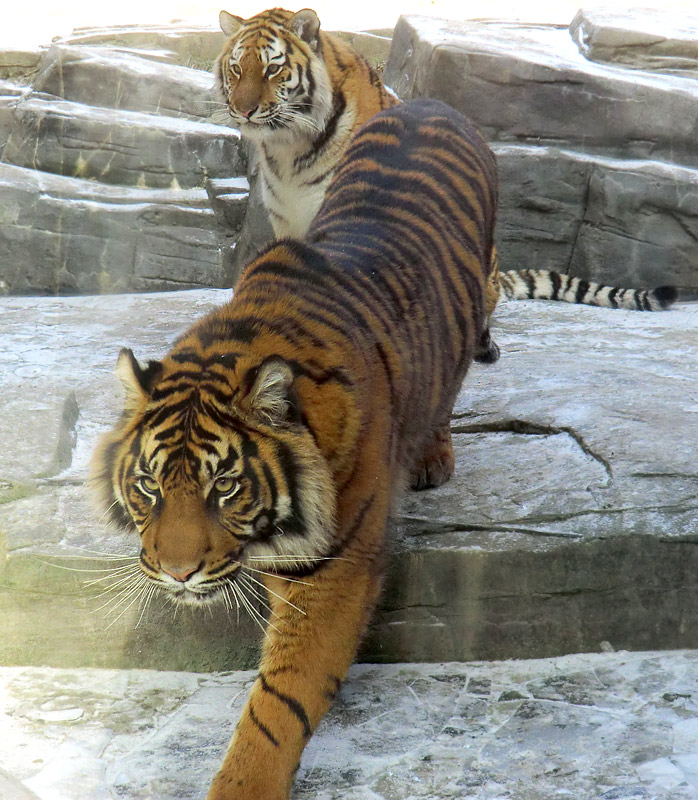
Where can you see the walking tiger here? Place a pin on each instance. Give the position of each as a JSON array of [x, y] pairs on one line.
[[278, 432]]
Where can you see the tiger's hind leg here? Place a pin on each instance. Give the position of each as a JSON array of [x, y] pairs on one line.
[[436, 463], [487, 351]]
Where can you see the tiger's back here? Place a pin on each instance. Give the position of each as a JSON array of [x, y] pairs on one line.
[[276, 435], [396, 272]]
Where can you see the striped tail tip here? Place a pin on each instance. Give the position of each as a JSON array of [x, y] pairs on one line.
[[665, 296]]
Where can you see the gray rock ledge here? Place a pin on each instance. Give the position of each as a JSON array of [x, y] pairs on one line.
[[571, 519]]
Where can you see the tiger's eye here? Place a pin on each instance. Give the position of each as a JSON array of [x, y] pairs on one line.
[[272, 69], [235, 69], [149, 484], [224, 485]]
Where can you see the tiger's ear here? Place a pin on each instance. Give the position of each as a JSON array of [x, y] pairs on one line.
[[305, 24], [268, 392], [137, 382], [230, 24]]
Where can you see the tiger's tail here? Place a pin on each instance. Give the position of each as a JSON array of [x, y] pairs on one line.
[[542, 284]]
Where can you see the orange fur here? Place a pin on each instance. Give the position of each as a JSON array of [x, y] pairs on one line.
[[281, 428]]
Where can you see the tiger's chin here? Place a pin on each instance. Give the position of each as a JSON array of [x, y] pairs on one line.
[[194, 598]]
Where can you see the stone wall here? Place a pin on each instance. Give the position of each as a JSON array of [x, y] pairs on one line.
[[117, 176], [598, 161], [114, 175]]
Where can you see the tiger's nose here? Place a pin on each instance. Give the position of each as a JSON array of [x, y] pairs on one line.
[[249, 112], [178, 572]]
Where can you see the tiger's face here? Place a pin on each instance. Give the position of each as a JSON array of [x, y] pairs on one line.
[[270, 75], [212, 468]]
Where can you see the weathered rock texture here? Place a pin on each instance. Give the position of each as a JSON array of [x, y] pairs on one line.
[[643, 38], [599, 163], [571, 519], [114, 176], [614, 726]]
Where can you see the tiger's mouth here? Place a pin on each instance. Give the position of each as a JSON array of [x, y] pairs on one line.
[[199, 595]]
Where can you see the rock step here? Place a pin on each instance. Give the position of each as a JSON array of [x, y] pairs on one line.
[[120, 147], [619, 726], [647, 39], [69, 235], [113, 78], [528, 85], [193, 46], [570, 520], [630, 223]]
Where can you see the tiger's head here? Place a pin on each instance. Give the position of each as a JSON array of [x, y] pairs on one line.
[[271, 75], [212, 465]]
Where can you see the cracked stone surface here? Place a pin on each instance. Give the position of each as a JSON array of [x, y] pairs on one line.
[[598, 162], [617, 726], [571, 518]]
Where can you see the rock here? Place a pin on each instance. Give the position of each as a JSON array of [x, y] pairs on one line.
[[69, 235], [11, 787], [120, 147], [579, 726], [110, 78], [192, 46], [570, 521], [625, 222], [529, 85], [109, 160], [19, 64], [644, 38]]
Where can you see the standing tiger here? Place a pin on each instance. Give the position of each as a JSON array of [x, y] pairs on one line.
[[299, 94], [280, 429]]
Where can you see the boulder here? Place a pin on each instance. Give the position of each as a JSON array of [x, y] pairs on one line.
[[112, 78], [118, 179], [619, 221], [601, 137], [570, 520], [638, 38], [70, 235], [120, 147]]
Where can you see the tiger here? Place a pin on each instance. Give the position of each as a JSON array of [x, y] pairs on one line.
[[298, 94], [281, 428]]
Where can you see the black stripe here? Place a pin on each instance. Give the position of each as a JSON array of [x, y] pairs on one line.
[[294, 706], [261, 726], [582, 289], [339, 104]]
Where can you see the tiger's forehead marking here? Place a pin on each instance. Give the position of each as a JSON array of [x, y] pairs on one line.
[[269, 49]]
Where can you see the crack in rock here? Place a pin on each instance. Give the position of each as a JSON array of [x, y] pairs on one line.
[[527, 428]]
